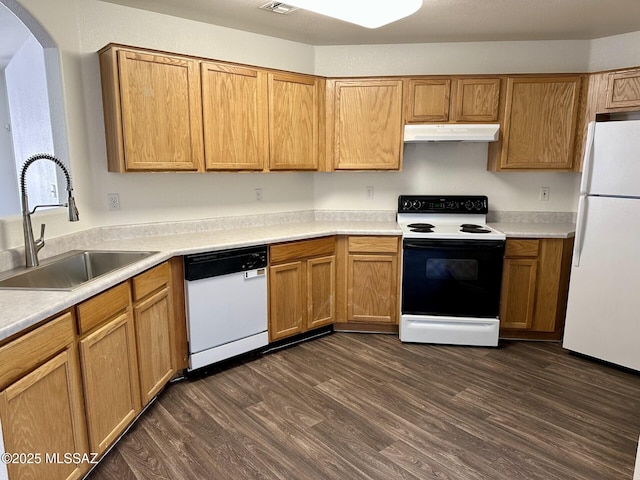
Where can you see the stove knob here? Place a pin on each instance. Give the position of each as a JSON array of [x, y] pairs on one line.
[[479, 204], [416, 204], [406, 204], [468, 205]]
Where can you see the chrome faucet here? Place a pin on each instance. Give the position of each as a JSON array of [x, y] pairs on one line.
[[32, 246]]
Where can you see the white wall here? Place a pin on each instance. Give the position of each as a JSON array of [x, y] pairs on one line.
[[453, 58], [618, 51], [455, 168], [81, 27]]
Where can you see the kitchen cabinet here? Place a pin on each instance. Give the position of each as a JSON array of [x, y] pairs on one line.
[[540, 127], [41, 408], [152, 111], [623, 90], [364, 124], [294, 121], [369, 275], [109, 365], [154, 328], [452, 99], [535, 285], [259, 120], [166, 112], [302, 288], [234, 117]]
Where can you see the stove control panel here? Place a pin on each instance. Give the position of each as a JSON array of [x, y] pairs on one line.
[[478, 204]]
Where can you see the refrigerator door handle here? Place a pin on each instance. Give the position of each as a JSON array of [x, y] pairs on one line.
[[586, 163], [582, 212]]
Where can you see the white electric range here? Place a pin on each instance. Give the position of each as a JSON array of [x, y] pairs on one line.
[[451, 270]]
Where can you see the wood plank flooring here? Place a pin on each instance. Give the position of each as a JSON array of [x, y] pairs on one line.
[[365, 406]]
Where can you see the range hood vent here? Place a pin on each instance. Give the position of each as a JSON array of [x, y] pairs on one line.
[[450, 132]]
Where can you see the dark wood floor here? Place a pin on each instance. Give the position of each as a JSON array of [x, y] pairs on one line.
[[364, 406]]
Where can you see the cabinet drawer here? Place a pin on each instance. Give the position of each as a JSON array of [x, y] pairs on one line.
[[373, 244], [285, 252], [151, 280], [517, 247], [34, 348], [102, 307]]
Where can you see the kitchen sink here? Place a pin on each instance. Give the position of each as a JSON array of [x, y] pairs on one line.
[[71, 270]]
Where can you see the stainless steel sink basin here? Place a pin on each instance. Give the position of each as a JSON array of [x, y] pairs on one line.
[[70, 270]]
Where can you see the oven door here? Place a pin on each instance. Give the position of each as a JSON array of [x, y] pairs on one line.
[[456, 278]]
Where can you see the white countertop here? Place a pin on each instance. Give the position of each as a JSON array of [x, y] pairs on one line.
[[21, 309], [536, 230]]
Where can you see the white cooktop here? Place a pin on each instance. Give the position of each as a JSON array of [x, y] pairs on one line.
[[448, 227]]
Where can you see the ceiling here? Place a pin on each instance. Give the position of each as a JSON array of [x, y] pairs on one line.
[[436, 21]]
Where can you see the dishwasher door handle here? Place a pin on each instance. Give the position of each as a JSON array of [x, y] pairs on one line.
[[258, 272]]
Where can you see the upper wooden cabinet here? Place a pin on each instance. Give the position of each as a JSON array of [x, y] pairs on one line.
[[234, 116], [152, 111], [294, 111], [364, 124], [616, 91], [165, 112], [540, 124], [623, 90], [452, 99]]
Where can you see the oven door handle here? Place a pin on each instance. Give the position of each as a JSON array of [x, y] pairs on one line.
[[454, 245]]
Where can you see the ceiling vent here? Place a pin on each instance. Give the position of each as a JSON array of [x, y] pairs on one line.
[[278, 7]]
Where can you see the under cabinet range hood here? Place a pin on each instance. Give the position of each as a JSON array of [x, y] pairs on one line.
[[450, 132]]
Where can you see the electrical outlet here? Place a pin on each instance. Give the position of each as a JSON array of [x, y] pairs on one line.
[[113, 199], [258, 194], [369, 192], [544, 194]]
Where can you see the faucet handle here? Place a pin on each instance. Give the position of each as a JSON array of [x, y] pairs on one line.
[[40, 242]]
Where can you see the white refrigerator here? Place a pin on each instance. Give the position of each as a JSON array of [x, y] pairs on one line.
[[603, 310]]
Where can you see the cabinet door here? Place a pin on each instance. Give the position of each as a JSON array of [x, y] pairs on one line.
[[368, 127], [161, 112], [539, 128], [286, 300], [234, 116], [42, 414], [477, 100], [518, 293], [321, 275], [623, 90], [153, 320], [110, 378], [371, 288], [293, 122], [428, 100]]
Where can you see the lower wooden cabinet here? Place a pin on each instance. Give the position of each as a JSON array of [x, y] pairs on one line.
[[153, 314], [535, 285], [74, 384], [301, 286], [109, 367], [41, 411], [369, 282]]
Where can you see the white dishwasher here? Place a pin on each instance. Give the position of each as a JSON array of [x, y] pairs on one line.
[[226, 301]]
